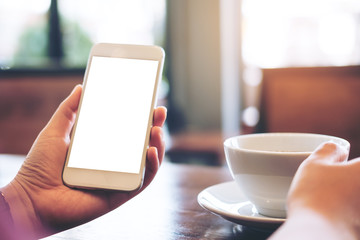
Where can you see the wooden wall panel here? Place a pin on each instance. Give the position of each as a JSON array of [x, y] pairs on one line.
[[26, 105], [318, 100]]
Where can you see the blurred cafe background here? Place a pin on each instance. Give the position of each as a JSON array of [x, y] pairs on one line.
[[232, 66]]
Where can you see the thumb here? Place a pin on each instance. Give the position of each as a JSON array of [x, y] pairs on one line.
[[62, 121]]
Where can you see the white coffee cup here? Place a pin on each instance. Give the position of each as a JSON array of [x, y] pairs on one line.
[[263, 165]]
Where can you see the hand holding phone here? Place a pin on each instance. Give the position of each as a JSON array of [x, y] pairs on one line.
[[45, 205], [108, 149]]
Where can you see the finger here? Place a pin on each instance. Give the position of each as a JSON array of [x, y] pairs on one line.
[[354, 161], [157, 141], [329, 152], [152, 166], [155, 154], [63, 119], [159, 116]]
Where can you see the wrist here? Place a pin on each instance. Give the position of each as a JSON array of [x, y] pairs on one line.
[[23, 217], [6, 221], [320, 224]]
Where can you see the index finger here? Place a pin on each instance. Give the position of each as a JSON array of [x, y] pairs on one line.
[[329, 152]]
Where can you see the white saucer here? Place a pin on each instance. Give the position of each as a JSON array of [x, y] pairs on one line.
[[228, 201]]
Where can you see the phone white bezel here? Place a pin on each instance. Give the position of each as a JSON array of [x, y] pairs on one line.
[[99, 179]]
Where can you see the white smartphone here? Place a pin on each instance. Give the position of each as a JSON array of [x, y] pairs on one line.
[[112, 129]]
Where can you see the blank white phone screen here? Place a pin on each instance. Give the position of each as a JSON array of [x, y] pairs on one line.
[[113, 119]]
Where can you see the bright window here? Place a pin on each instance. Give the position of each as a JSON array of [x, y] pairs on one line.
[[24, 27], [283, 33]]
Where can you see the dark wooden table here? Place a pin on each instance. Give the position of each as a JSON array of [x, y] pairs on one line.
[[167, 209]]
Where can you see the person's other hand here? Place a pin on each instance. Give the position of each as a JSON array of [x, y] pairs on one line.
[[41, 204], [324, 197], [327, 182]]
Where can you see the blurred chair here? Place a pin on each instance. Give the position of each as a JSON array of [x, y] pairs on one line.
[[322, 100], [197, 147]]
